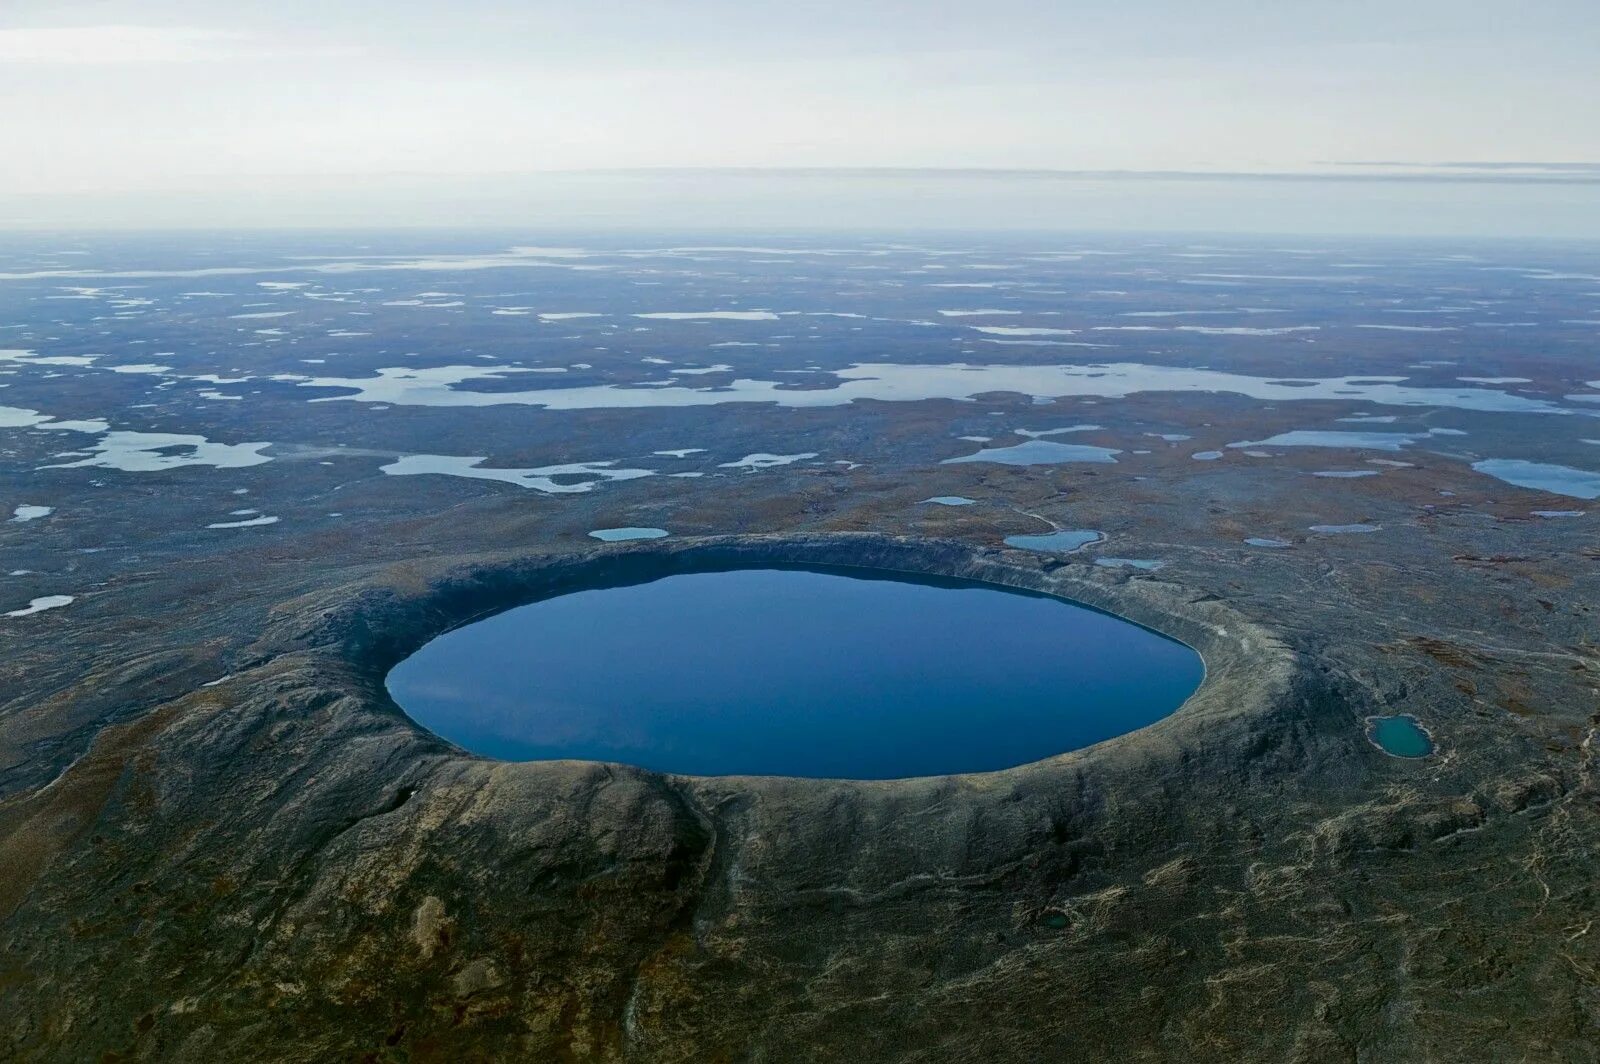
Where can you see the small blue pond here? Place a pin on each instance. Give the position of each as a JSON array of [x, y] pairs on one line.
[[1401, 736], [795, 673]]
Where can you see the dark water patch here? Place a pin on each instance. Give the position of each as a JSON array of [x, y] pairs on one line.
[[795, 672]]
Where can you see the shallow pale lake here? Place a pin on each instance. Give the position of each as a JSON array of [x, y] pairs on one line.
[[795, 673]]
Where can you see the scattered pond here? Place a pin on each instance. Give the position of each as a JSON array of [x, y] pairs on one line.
[[1039, 452], [1370, 441], [251, 522], [620, 535], [39, 605], [1542, 476], [1062, 541], [568, 477]]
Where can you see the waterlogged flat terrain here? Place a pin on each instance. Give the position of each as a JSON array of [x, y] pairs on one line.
[[233, 464], [775, 672], [393, 368], [185, 396]]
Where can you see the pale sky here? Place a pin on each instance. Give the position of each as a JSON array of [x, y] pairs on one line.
[[130, 101]]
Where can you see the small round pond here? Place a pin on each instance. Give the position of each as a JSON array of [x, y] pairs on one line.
[[795, 672]]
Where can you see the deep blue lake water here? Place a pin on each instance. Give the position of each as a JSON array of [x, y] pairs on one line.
[[795, 673]]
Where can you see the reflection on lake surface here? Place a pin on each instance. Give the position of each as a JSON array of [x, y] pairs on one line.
[[787, 672]]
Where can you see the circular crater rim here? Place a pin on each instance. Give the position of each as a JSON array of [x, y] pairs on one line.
[[470, 590]]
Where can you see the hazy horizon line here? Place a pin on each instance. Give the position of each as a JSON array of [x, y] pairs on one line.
[[1507, 173], [1450, 200], [1500, 172]]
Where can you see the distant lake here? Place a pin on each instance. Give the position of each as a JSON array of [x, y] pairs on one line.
[[796, 673]]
